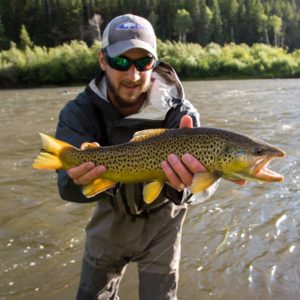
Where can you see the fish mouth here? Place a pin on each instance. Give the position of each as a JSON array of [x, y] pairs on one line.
[[261, 172]]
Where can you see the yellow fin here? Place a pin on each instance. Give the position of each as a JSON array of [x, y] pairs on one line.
[[97, 186], [146, 134], [49, 157], [152, 190], [202, 181]]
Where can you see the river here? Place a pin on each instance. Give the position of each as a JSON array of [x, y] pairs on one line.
[[243, 243]]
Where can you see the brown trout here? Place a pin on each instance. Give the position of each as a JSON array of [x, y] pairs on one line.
[[225, 154]]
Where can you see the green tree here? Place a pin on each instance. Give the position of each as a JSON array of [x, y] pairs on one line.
[[194, 8], [3, 39], [153, 18], [216, 24], [229, 10], [166, 10], [241, 28], [204, 23], [182, 24], [276, 25], [264, 27], [25, 40]]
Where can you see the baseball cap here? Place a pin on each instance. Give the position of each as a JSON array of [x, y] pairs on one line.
[[128, 32]]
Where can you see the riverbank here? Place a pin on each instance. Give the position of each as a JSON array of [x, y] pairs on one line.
[[77, 63]]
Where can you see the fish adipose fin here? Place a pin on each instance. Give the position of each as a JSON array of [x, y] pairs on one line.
[[202, 181], [152, 190], [49, 157], [97, 186], [146, 134]]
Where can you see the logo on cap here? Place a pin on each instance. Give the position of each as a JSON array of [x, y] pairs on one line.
[[130, 26]]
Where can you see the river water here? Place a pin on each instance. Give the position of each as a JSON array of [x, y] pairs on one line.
[[243, 243]]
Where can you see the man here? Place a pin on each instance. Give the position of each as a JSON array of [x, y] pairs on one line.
[[132, 92]]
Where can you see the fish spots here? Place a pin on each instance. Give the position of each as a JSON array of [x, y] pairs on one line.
[[143, 158]]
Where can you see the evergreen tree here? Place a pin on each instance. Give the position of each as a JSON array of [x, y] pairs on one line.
[[204, 23], [229, 10], [216, 24], [52, 22], [3, 39], [254, 11], [194, 8], [166, 11], [153, 18], [241, 29]]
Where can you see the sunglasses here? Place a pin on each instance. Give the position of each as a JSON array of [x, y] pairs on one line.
[[123, 63]]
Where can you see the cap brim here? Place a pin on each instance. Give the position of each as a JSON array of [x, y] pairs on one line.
[[122, 46]]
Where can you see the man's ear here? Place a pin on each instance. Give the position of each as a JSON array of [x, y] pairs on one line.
[[102, 60]]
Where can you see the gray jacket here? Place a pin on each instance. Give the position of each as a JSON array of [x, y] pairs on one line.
[[91, 118]]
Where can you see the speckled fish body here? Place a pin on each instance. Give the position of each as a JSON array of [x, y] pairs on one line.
[[224, 154]]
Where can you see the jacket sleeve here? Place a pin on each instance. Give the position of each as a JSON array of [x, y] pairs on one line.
[[72, 128]]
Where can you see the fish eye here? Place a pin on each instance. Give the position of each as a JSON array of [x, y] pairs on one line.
[[258, 152]]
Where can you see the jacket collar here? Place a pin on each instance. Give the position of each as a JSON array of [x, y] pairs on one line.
[[165, 87]]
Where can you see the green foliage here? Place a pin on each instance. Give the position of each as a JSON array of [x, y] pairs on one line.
[[66, 64], [3, 38], [25, 40], [75, 62], [52, 23], [183, 24]]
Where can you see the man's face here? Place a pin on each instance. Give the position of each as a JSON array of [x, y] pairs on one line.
[[126, 89]]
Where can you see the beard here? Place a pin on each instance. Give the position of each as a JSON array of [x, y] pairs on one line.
[[130, 100]]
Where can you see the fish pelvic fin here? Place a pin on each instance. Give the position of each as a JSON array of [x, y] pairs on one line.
[[202, 181], [146, 134], [49, 157], [152, 190], [97, 186]]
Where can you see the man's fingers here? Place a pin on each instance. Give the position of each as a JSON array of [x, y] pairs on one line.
[[174, 180], [193, 164], [85, 173], [90, 176], [79, 171], [186, 122], [180, 169]]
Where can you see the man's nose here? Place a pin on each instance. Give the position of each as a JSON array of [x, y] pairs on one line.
[[133, 73]]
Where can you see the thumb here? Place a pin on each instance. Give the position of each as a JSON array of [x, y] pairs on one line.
[[186, 122]]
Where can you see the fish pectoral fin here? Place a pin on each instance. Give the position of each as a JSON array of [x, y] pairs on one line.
[[202, 181], [97, 186], [152, 190], [146, 134]]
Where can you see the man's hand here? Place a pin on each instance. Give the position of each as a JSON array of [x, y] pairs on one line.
[[86, 173], [180, 172]]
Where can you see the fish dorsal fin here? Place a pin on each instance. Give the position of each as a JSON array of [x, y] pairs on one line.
[[146, 134], [152, 190], [97, 186], [86, 146], [202, 181]]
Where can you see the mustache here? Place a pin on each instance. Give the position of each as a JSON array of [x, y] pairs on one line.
[[131, 83]]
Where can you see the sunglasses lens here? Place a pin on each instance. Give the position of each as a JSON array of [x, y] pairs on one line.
[[123, 63], [120, 63], [144, 64]]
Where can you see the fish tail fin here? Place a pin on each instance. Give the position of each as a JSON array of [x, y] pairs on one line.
[[49, 157]]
